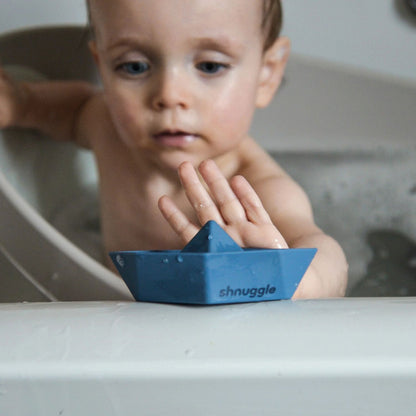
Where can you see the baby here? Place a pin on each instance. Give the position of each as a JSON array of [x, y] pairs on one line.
[[169, 130]]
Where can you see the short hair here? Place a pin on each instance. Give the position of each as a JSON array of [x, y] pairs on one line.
[[271, 21]]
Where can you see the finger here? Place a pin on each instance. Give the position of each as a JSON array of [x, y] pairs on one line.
[[177, 219], [267, 236], [226, 200], [198, 196], [249, 199]]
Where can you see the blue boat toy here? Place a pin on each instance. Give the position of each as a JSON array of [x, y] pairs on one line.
[[213, 269]]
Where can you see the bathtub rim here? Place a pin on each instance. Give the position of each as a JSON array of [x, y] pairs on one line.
[[334, 356]]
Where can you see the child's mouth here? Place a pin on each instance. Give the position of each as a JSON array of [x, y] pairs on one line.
[[174, 138]]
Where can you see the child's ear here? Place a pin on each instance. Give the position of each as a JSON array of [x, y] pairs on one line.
[[271, 73]]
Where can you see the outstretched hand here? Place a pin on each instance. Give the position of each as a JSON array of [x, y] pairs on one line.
[[234, 205]]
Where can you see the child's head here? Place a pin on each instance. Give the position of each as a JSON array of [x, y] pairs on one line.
[[271, 20], [182, 78]]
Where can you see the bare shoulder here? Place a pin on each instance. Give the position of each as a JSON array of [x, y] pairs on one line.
[[93, 121], [257, 165], [283, 198]]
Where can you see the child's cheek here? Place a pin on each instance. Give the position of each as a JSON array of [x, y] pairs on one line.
[[124, 115], [234, 113]]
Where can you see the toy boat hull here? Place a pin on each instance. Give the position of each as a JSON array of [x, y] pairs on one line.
[[249, 275]]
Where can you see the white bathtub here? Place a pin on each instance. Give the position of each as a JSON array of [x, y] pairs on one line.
[[347, 137]]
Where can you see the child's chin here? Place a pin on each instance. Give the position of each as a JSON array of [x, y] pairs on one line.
[[173, 160]]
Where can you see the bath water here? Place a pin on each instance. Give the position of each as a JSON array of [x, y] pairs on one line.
[[366, 200], [392, 269]]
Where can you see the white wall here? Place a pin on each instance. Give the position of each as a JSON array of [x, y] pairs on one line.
[[16, 14], [367, 34]]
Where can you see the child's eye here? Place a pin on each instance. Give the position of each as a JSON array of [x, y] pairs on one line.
[[134, 68], [211, 67]]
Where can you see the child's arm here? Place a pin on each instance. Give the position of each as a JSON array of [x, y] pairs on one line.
[[50, 107], [238, 209]]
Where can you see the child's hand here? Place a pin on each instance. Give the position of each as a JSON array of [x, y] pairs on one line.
[[235, 206], [12, 98]]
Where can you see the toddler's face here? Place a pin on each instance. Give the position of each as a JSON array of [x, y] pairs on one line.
[[181, 77]]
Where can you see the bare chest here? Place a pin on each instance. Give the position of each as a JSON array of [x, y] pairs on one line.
[[130, 217]]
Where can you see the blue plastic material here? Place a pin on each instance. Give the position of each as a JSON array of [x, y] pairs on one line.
[[213, 269]]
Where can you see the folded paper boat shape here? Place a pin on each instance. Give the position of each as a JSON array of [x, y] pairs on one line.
[[213, 269]]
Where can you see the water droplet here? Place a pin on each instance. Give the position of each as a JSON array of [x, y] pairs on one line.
[[179, 259], [199, 206], [276, 244], [165, 260], [210, 237], [120, 260]]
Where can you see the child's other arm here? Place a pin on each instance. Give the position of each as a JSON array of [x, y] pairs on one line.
[[290, 210], [50, 107]]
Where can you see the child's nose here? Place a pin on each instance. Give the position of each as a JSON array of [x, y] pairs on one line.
[[171, 90]]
